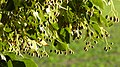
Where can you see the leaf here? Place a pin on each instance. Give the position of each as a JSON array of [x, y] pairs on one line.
[[67, 37], [1, 28], [18, 63], [9, 63], [55, 25], [7, 29], [98, 3], [62, 31], [0, 16], [60, 45], [68, 29], [29, 63], [96, 27], [103, 20], [11, 55], [32, 33]]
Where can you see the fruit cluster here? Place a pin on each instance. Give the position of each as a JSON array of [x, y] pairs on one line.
[[33, 25]]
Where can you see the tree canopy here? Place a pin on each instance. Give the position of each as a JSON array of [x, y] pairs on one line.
[[29, 26]]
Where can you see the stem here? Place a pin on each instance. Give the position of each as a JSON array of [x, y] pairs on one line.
[[113, 8]]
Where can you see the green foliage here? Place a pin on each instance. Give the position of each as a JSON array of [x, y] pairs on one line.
[[29, 26]]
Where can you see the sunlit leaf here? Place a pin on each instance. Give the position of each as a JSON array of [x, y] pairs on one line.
[[29, 63], [7, 29], [0, 16], [98, 3], [55, 26], [9, 63]]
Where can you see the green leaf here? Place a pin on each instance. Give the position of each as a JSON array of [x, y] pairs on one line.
[[11, 55], [103, 21], [9, 63], [55, 25], [67, 37], [62, 31], [7, 29], [29, 63], [0, 16], [98, 3], [96, 27], [18, 63], [0, 47], [68, 29], [60, 45]]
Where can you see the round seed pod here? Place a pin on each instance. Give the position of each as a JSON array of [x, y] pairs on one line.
[[87, 43], [117, 19], [87, 30], [80, 27], [107, 35], [78, 37], [58, 52], [105, 48], [29, 53], [70, 51], [101, 35], [106, 16], [111, 18], [97, 36], [65, 53], [91, 33], [50, 51], [44, 23], [47, 55], [11, 49], [39, 56], [112, 43], [109, 48], [91, 13], [100, 12], [114, 19], [23, 52], [43, 32], [85, 48], [41, 51], [87, 34], [95, 42], [80, 32], [41, 25], [92, 46], [55, 51], [32, 54], [40, 31], [61, 52], [86, 25], [49, 40], [40, 39]]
